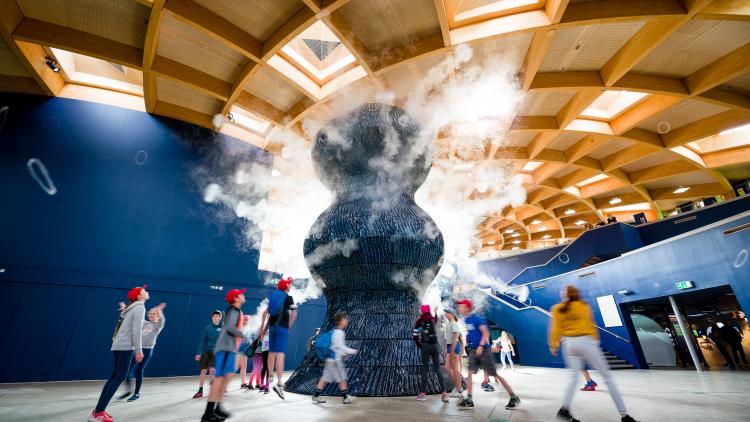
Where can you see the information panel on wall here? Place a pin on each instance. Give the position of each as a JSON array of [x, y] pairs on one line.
[[608, 309]]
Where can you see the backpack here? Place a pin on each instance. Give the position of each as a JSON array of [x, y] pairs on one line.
[[276, 302], [427, 332], [323, 346]]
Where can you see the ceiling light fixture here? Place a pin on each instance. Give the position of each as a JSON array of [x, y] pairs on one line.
[[546, 236], [615, 200], [515, 234], [536, 222], [734, 129], [230, 117], [491, 242], [682, 189], [52, 64], [515, 248], [509, 231], [516, 242], [570, 211], [580, 223]]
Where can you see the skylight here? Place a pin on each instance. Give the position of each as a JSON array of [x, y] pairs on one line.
[[531, 166], [249, 121], [491, 8], [612, 103], [590, 180], [90, 71]]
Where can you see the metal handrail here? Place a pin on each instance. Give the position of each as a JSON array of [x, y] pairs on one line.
[[544, 311]]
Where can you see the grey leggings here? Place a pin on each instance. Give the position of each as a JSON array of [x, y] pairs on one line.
[[431, 352]]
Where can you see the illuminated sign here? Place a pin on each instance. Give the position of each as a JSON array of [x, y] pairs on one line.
[[684, 285]]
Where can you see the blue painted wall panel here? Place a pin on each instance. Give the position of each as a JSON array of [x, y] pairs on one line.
[[508, 267]]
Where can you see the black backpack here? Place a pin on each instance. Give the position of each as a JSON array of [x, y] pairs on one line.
[[427, 332]]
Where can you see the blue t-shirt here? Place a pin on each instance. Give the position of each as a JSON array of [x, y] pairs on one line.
[[474, 334]]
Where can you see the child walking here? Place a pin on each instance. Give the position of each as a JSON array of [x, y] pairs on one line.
[[453, 353], [226, 352], [205, 356], [335, 370], [506, 350], [572, 326], [127, 345], [151, 330], [480, 356]]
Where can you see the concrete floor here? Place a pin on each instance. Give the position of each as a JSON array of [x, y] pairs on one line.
[[666, 395]]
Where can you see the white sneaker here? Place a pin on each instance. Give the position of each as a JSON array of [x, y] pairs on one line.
[[349, 399], [455, 394], [318, 399], [279, 389]]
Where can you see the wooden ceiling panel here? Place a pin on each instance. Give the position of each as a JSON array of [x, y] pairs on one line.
[[740, 85], [565, 140], [518, 139], [587, 48], [124, 21], [176, 93], [680, 115], [385, 24], [610, 147], [259, 18], [185, 44], [661, 157], [694, 45], [270, 87], [10, 64], [684, 179], [545, 103]]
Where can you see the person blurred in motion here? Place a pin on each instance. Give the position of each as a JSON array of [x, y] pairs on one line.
[[506, 350], [205, 356], [242, 356], [480, 356], [454, 345], [733, 337], [425, 336], [127, 346], [151, 330], [572, 325], [281, 314]]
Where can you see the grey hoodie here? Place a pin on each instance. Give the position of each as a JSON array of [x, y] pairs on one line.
[[151, 331], [230, 334], [130, 335]]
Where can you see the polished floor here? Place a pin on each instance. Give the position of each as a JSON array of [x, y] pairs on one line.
[[671, 395]]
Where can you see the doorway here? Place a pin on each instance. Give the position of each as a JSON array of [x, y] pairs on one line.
[[708, 312]]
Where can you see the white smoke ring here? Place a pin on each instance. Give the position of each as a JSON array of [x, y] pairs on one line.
[[563, 258], [39, 172], [741, 259]]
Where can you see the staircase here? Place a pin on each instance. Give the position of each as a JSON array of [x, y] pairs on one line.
[[591, 261], [615, 362]]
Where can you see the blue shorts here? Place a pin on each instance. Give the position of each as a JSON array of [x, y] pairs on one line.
[[457, 351], [277, 339], [225, 362]]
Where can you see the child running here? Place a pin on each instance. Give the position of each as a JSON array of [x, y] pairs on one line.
[[127, 345], [151, 330], [281, 312], [573, 326], [478, 338], [335, 370], [426, 338], [205, 355], [225, 351]]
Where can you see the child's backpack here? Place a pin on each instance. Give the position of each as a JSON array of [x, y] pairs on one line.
[[323, 346], [427, 332]]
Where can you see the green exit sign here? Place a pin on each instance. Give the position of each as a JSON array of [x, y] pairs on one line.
[[684, 285]]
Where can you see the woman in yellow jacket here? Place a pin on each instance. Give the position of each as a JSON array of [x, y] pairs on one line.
[[573, 326]]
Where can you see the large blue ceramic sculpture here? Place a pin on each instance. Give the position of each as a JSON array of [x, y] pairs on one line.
[[373, 160]]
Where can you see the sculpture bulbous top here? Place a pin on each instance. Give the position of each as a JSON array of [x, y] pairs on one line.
[[374, 145]]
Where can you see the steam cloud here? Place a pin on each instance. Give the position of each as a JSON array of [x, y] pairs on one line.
[[465, 105]]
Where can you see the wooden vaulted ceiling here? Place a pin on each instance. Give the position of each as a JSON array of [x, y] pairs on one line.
[[198, 58]]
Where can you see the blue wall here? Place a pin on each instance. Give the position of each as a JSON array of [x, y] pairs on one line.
[[510, 266], [706, 257], [116, 221]]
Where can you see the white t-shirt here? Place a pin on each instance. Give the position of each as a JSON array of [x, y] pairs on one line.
[[451, 327], [505, 344]]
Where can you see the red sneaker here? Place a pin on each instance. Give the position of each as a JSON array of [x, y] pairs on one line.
[[199, 394], [588, 388], [100, 417]]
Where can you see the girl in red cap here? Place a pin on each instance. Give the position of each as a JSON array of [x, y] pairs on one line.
[[426, 337], [127, 345]]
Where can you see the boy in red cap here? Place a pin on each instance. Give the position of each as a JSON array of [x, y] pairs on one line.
[[225, 352], [480, 356], [425, 336], [127, 345], [282, 313]]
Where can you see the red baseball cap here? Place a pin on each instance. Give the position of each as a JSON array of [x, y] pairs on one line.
[[466, 302], [425, 309], [232, 294], [134, 292], [284, 283]]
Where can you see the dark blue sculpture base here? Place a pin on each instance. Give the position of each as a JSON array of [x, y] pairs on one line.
[[389, 363]]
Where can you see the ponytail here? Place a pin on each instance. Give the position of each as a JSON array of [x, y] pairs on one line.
[[571, 295]]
